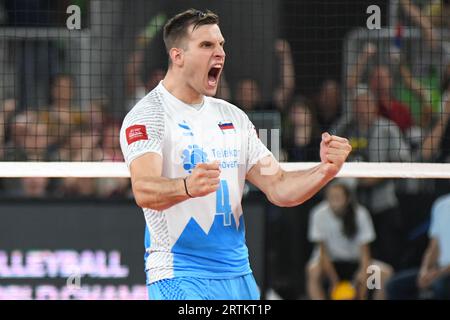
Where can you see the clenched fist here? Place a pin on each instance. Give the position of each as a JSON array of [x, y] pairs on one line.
[[204, 179], [334, 151]]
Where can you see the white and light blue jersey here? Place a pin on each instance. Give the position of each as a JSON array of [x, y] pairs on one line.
[[201, 237]]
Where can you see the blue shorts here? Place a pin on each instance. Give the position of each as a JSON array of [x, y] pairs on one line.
[[189, 288]]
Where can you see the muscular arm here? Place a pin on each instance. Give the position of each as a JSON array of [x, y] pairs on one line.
[[150, 189], [289, 189], [153, 191]]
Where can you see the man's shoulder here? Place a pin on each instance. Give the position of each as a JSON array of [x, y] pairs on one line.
[[149, 106]]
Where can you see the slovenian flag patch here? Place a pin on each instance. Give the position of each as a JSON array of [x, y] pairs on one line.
[[226, 126]]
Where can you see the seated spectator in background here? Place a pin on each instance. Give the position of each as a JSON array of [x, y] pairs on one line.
[[328, 104], [303, 141], [110, 146], [430, 61], [95, 115], [61, 115], [434, 55], [28, 141], [248, 95], [381, 85], [138, 80], [15, 145], [6, 112], [82, 144], [283, 92], [342, 231], [438, 11], [376, 139], [432, 280], [436, 145], [35, 187]]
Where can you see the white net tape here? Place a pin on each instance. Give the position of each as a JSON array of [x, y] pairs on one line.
[[116, 170]]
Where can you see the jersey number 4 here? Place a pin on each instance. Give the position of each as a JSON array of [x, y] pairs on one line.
[[223, 206]]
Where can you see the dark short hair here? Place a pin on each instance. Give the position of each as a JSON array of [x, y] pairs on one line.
[[176, 28]]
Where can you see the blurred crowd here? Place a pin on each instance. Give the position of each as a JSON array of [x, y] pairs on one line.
[[61, 132], [394, 106]]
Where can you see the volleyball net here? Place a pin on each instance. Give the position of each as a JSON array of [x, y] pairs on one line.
[[378, 75]]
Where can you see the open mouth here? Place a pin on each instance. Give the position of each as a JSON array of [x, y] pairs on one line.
[[213, 75]]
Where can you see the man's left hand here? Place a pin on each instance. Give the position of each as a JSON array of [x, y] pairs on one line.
[[334, 151]]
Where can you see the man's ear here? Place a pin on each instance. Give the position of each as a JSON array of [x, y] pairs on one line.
[[177, 56]]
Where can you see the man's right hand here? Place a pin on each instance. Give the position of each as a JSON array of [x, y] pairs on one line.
[[204, 179]]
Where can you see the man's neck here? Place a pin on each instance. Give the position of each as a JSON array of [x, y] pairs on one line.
[[180, 89]]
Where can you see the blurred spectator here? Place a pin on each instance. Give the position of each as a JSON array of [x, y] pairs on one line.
[[35, 187], [36, 141], [248, 95], [283, 93], [438, 11], [82, 144], [28, 141], [138, 79], [430, 62], [418, 96], [381, 85], [112, 187], [28, 138], [62, 115], [6, 112], [328, 104], [432, 280], [342, 231], [94, 114], [304, 137], [436, 145], [376, 139], [110, 142]]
